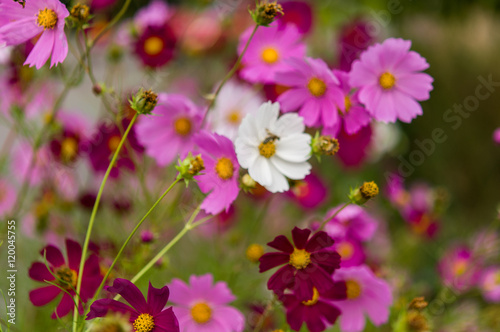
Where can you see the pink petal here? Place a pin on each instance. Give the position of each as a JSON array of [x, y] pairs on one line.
[[42, 296], [42, 50]]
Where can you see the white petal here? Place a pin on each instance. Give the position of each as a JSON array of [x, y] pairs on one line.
[[248, 128], [295, 171], [294, 148], [266, 118], [246, 153], [288, 124], [260, 171], [280, 183]]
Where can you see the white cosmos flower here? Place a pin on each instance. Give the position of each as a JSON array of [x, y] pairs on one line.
[[235, 100], [273, 149]]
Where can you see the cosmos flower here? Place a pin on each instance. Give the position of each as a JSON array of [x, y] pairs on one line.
[[366, 295], [298, 13], [156, 46], [67, 145], [353, 115], [308, 263], [310, 192], [66, 270], [318, 312], [22, 161], [220, 177], [7, 197], [203, 305], [390, 81], [144, 315], [354, 148], [354, 38], [267, 52], [39, 17], [314, 91], [351, 252], [155, 14], [352, 222], [234, 102], [272, 148], [489, 284], [174, 121], [459, 269]]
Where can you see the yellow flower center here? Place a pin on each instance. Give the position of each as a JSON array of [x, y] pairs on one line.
[[314, 299], [69, 148], [387, 81], [182, 126], [270, 55], [369, 190], [267, 149], [224, 168], [254, 252], [460, 267], [345, 250], [47, 18], [113, 143], [153, 45], [234, 117], [66, 277], [317, 87], [347, 104], [201, 312], [300, 259], [144, 323], [353, 289]]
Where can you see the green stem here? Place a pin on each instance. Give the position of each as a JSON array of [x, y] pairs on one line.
[[111, 24], [323, 224], [130, 237], [230, 73], [93, 215]]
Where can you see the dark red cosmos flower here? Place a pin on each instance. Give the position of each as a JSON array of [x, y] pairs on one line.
[[66, 271], [318, 312], [309, 263], [354, 148], [298, 13], [156, 46], [145, 316], [67, 146]]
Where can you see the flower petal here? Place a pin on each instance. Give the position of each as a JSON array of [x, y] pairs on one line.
[[273, 259], [130, 293], [157, 298], [281, 243], [44, 295]]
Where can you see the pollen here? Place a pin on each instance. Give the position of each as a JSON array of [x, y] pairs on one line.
[[345, 250], [460, 267], [267, 149], [369, 190], [300, 259], [254, 252], [69, 148], [234, 117], [182, 126], [144, 323], [270, 55], [201, 312], [314, 298], [353, 289], [114, 142], [224, 168], [47, 18], [387, 81], [317, 87], [153, 45], [347, 103], [66, 277]]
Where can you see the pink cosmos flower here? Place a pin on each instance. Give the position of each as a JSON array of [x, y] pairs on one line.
[[353, 222], [309, 193], [366, 295], [220, 177], [203, 305], [490, 284], [390, 81], [354, 148], [353, 115], [496, 136], [314, 92], [267, 52], [459, 269], [45, 17], [351, 252], [156, 14], [22, 160], [7, 197], [169, 130]]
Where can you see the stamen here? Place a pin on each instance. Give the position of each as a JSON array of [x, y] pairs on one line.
[[47, 18], [153, 45], [183, 126], [314, 298], [224, 168], [353, 289], [387, 81], [300, 259], [270, 55], [317, 87], [201, 312], [267, 149], [144, 323], [66, 277]]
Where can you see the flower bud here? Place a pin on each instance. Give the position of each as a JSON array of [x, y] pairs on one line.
[[265, 13], [247, 183], [190, 167], [144, 101], [325, 145], [364, 193], [254, 252], [80, 13]]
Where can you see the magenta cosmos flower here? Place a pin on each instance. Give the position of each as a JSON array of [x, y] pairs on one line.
[[354, 38], [490, 284], [354, 148], [459, 269], [351, 252], [23, 159], [267, 52], [352, 221], [156, 46], [309, 193], [390, 80], [220, 177], [66, 271], [314, 92], [169, 131], [145, 316], [203, 306], [39, 17], [366, 294], [318, 312], [353, 115], [310, 263], [298, 13]]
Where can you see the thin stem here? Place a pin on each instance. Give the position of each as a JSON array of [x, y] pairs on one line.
[[93, 215], [111, 24], [323, 224], [130, 237], [230, 73]]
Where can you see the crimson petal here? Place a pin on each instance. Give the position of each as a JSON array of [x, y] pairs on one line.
[[329, 260], [157, 298], [281, 280], [44, 295], [319, 241], [53, 255], [166, 321], [39, 272], [300, 237], [281, 243], [74, 252], [130, 293], [272, 259], [100, 308]]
